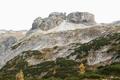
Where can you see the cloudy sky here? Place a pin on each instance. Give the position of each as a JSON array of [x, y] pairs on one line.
[[19, 14]]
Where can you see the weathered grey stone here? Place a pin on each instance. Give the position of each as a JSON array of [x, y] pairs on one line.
[[52, 21], [35, 25], [7, 43], [81, 17], [37, 22], [55, 18]]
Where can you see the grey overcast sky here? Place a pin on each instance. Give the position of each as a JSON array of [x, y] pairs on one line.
[[19, 14]]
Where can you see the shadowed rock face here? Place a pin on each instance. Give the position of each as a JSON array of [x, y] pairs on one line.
[[81, 17], [37, 22]]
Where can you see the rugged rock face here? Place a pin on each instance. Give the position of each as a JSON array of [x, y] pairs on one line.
[[9, 41], [55, 19], [81, 17], [37, 22], [52, 21], [8, 38]]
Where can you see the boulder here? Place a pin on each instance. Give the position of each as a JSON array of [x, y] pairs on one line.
[[81, 17]]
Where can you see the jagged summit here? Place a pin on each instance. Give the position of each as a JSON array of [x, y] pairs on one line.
[[56, 18], [53, 20]]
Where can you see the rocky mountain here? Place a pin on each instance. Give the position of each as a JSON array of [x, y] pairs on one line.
[[55, 46]]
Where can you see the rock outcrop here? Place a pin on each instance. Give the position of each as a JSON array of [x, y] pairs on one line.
[[81, 17], [37, 22], [53, 20], [56, 18]]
